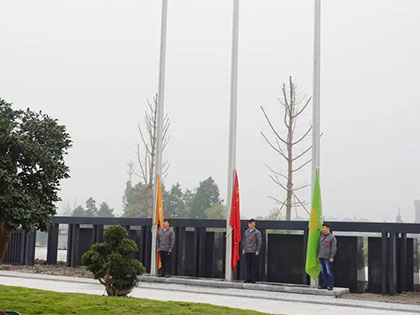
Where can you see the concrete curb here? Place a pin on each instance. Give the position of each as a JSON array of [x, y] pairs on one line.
[[244, 290], [263, 286]]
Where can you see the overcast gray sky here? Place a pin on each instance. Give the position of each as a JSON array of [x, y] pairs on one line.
[[92, 64]]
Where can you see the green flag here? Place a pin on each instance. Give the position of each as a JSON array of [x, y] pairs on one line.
[[312, 267]]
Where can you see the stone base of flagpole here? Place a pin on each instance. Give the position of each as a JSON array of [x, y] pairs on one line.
[[314, 283], [259, 286]]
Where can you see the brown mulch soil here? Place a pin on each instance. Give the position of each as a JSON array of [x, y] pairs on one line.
[[58, 270], [412, 298]]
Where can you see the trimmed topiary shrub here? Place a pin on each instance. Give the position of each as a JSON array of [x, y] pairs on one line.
[[111, 264]]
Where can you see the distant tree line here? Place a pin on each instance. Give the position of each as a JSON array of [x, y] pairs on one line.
[[91, 210], [201, 203]]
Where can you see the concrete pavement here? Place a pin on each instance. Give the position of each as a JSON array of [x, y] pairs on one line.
[[259, 286], [263, 301]]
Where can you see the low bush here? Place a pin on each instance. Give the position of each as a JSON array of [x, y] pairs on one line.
[[111, 262]]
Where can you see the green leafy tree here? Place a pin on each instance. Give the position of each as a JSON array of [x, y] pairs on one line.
[[136, 200], [91, 208], [79, 212], [92, 211], [206, 196], [188, 197], [110, 263], [105, 210], [32, 150], [175, 203], [217, 211]]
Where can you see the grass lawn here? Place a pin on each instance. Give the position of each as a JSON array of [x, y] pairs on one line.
[[30, 301]]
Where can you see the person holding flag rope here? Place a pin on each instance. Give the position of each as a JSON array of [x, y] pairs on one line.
[[165, 238]]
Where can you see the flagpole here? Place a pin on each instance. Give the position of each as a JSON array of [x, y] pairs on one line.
[[316, 130], [316, 118], [160, 104], [232, 136]]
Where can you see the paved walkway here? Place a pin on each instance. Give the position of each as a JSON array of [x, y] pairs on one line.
[[269, 302], [259, 286]]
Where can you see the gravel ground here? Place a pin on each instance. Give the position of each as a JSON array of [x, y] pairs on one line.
[[412, 298], [57, 270]]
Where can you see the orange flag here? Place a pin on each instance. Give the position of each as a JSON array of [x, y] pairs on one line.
[[159, 215], [235, 223]]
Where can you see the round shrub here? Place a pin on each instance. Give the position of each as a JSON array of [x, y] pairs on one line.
[[111, 262]]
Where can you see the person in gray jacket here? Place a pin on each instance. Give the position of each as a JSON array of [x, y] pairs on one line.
[[326, 253], [251, 249], [165, 244]]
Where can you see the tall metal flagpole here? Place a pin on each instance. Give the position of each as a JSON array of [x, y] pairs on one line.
[[232, 135], [158, 164], [316, 130]]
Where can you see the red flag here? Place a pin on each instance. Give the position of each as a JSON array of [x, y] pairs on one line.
[[235, 223]]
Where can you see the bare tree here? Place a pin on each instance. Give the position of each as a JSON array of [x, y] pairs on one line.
[[146, 152], [293, 105]]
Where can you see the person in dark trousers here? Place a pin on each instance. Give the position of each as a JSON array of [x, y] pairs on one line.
[[326, 253], [251, 249], [165, 244]]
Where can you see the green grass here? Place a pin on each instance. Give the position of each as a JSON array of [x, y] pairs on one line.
[[31, 301]]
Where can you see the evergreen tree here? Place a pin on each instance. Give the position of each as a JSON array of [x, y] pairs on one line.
[[79, 212], [136, 200], [105, 210], [112, 262], [217, 211], [206, 196], [91, 207], [175, 203], [187, 198]]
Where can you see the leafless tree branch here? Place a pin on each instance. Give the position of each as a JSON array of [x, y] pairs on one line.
[[301, 154], [300, 187], [303, 165], [142, 167], [303, 137], [272, 127], [303, 108], [278, 201], [275, 172], [277, 181], [273, 147], [147, 158]]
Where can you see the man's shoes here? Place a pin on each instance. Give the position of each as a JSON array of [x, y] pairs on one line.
[[322, 287], [160, 275], [168, 276], [247, 281], [330, 288], [252, 281]]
